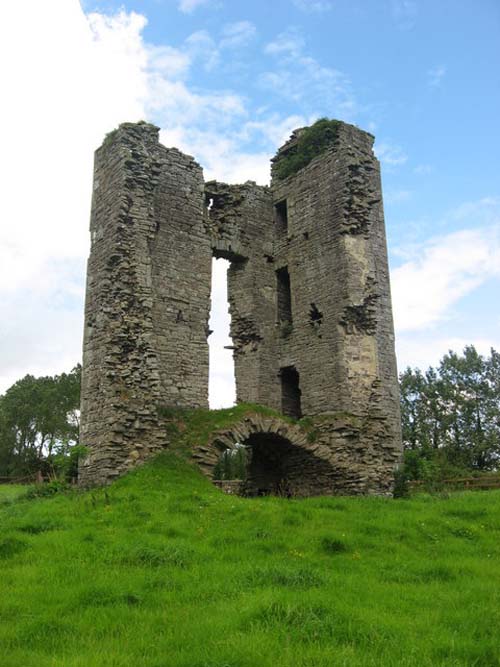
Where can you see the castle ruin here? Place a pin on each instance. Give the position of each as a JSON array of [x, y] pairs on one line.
[[309, 296]]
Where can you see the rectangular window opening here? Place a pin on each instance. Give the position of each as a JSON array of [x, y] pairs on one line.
[[281, 216], [284, 295], [221, 388], [290, 392]]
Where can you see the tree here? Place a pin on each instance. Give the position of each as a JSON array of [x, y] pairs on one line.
[[38, 417], [451, 415]]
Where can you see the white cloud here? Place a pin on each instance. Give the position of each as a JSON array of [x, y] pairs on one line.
[[238, 34], [442, 271], [313, 6], [220, 155], [289, 43], [390, 154], [202, 46], [485, 211], [275, 128], [88, 75], [424, 351], [58, 110], [168, 61], [302, 79], [436, 75], [428, 287], [189, 6]]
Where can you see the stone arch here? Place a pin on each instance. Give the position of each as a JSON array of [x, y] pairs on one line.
[[282, 459]]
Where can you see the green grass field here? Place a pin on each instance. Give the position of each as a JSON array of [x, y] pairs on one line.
[[163, 570], [10, 491]]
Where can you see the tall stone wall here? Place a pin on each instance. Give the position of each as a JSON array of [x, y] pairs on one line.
[[147, 301], [308, 289], [342, 339]]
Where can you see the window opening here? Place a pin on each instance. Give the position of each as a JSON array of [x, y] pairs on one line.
[[290, 392], [221, 385], [281, 216], [284, 296], [315, 318]]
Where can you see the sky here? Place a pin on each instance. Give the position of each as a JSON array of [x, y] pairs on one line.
[[227, 81]]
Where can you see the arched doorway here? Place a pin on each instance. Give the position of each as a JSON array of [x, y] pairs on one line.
[[279, 459]]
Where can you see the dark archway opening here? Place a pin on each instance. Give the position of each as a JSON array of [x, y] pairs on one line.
[[266, 464]]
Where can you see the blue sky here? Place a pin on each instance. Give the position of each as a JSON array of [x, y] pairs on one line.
[[227, 81]]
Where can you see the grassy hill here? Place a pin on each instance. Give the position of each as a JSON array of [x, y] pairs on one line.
[[163, 570]]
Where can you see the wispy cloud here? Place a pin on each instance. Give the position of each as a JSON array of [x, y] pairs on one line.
[[313, 6], [299, 77], [436, 75], [168, 61], [189, 6], [201, 45], [235, 35], [390, 154], [290, 44], [423, 169], [485, 211], [405, 13], [397, 196]]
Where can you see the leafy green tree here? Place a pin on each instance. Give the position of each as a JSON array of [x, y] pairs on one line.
[[38, 417], [450, 416]]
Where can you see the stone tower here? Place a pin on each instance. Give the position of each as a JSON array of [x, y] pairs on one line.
[[308, 289]]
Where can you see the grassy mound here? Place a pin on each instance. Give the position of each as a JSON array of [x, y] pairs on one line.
[[163, 570]]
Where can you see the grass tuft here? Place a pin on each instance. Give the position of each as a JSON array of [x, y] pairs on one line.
[[331, 545]]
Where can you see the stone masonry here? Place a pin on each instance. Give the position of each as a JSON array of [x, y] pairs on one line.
[[309, 296]]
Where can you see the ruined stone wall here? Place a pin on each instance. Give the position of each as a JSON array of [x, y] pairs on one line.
[[147, 300], [319, 234], [309, 298], [341, 339], [241, 230]]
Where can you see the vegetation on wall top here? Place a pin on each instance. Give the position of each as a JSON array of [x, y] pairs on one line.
[[312, 141]]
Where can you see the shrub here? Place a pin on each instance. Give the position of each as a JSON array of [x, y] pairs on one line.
[[49, 489], [313, 141]]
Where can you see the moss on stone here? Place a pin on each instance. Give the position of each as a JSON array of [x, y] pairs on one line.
[[110, 137], [187, 427], [311, 142]]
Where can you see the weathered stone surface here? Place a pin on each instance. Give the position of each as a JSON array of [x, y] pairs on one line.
[[309, 297], [147, 303]]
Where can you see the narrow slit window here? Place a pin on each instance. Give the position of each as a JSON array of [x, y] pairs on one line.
[[281, 216], [290, 392], [284, 294]]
